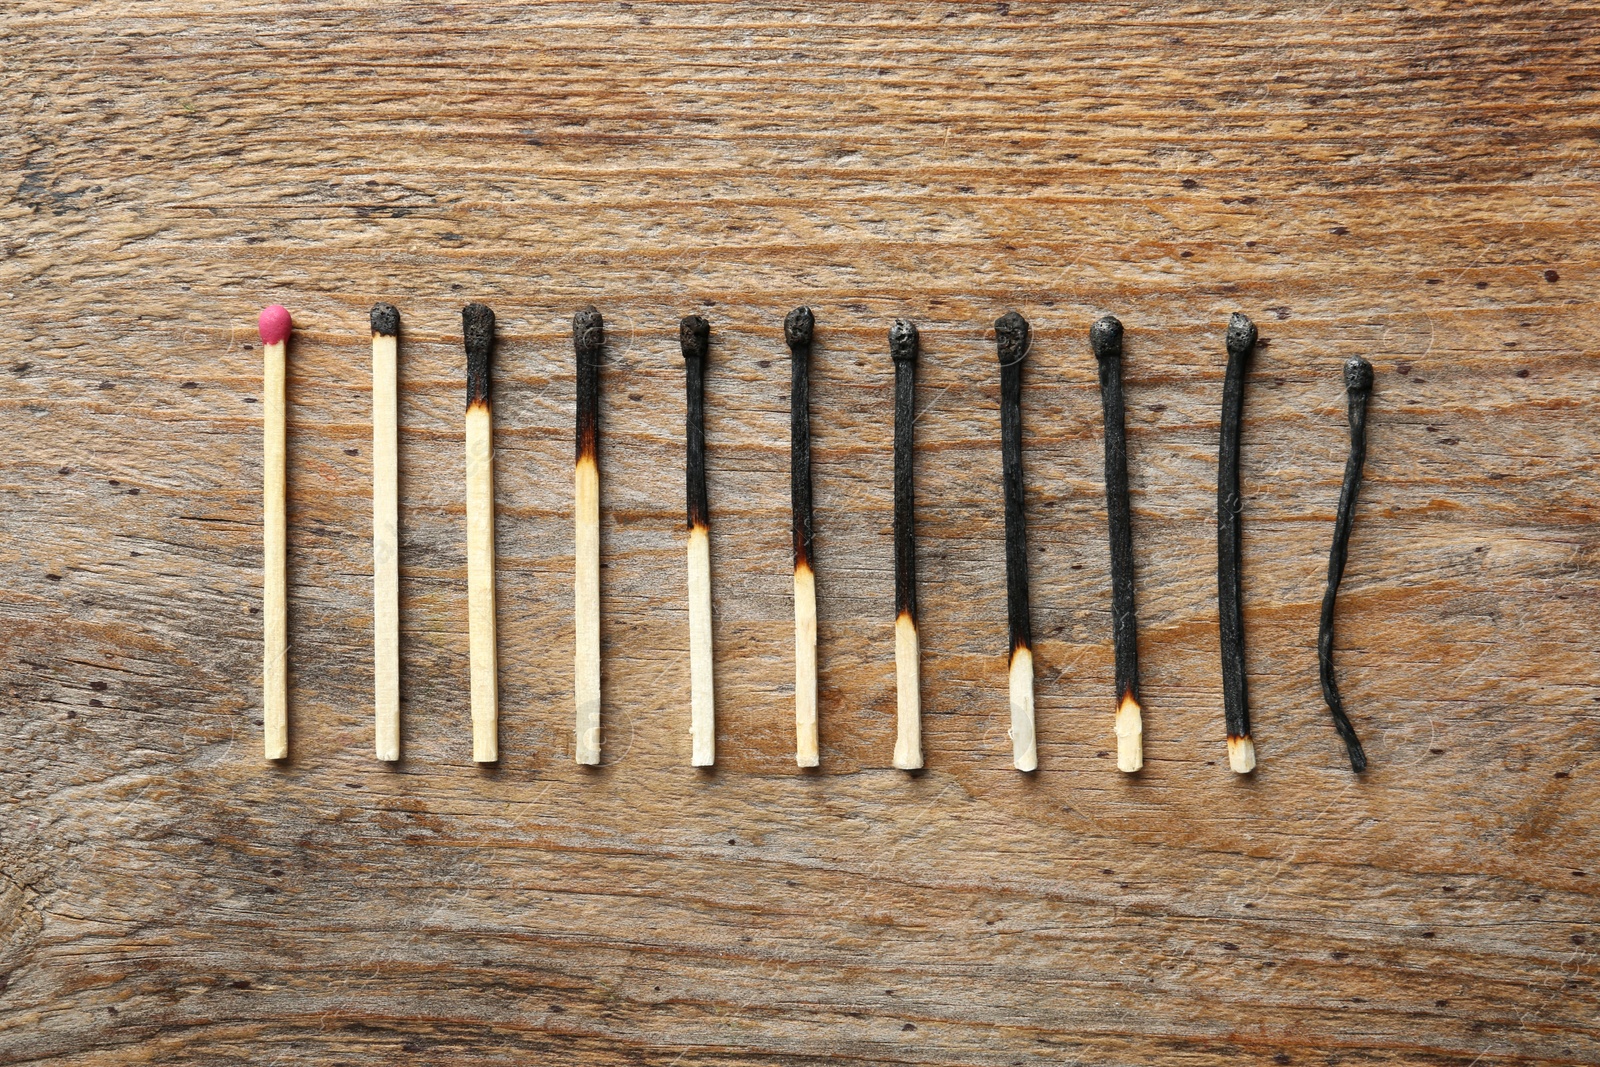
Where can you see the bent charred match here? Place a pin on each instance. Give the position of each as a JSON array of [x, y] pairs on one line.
[[477, 335], [275, 326], [1011, 343], [1358, 387], [385, 532], [903, 342], [1241, 342], [1105, 338], [797, 330], [694, 337], [588, 340]]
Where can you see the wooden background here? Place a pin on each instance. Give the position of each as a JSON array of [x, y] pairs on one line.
[[1415, 183]]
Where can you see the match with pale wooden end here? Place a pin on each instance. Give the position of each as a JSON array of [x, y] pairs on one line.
[[903, 341], [1011, 341], [275, 326], [1241, 343], [477, 330], [797, 330], [694, 338], [588, 341], [385, 532]]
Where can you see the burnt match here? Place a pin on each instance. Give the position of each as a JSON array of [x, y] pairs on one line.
[[907, 659], [477, 333], [1358, 387], [275, 325], [1241, 342], [385, 532], [1105, 339], [1011, 343], [797, 330], [588, 340], [694, 337]]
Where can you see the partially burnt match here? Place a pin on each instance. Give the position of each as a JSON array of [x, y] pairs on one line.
[[903, 342], [275, 326], [477, 335], [694, 337], [1105, 339], [1241, 343], [797, 331], [1358, 387], [385, 532], [1011, 342], [588, 343]]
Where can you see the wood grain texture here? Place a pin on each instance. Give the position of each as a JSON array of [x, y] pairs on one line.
[[1413, 183]]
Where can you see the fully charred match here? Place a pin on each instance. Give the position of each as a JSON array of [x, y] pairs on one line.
[[385, 532], [588, 341], [1358, 387], [1241, 342], [477, 334], [694, 337], [1011, 342], [908, 671], [275, 325], [797, 330], [1105, 338]]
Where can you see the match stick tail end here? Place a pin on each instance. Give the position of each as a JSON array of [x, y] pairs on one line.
[[1130, 735], [1241, 754]]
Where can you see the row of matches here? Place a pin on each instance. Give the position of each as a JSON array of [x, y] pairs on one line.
[[1012, 340]]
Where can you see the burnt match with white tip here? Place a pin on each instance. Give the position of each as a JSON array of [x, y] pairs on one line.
[[588, 343], [275, 326], [385, 532], [477, 332], [1105, 339], [1011, 337], [694, 338], [903, 344], [797, 331], [1241, 342]]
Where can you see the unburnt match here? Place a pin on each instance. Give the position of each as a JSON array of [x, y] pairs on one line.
[[1011, 342], [477, 332], [385, 532], [1358, 387], [588, 341], [1241, 342], [274, 324], [1105, 339], [694, 337], [903, 342], [797, 330]]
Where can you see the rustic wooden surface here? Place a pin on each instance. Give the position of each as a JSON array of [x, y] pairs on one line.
[[1414, 183]]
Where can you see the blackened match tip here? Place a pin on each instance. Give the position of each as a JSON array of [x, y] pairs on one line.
[[386, 320], [694, 337], [903, 341], [1357, 374], [588, 329], [1011, 338], [1105, 337], [477, 326], [1241, 333], [797, 327]]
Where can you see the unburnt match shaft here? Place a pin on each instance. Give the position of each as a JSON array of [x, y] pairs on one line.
[[797, 330], [907, 658], [477, 332], [1011, 342], [385, 532], [1358, 387], [588, 341], [1105, 338], [274, 324], [694, 337], [1241, 342]]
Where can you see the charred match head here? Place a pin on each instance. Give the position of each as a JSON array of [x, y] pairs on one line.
[[1241, 338], [274, 324], [797, 327], [1011, 334], [1105, 338], [1357, 374], [903, 341], [385, 320], [588, 341], [477, 335], [694, 337]]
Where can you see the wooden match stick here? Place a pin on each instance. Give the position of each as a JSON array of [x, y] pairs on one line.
[[477, 331], [1358, 386], [694, 337], [385, 532], [797, 330], [1241, 342], [274, 324], [1011, 342], [588, 339], [903, 341], [1105, 338]]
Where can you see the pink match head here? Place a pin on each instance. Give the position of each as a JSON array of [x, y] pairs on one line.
[[275, 324]]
